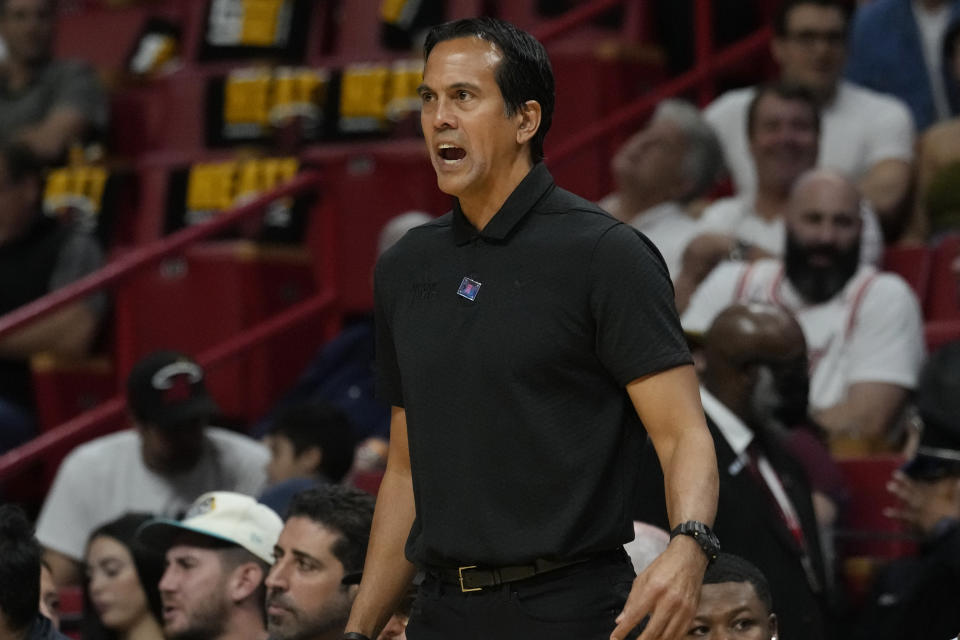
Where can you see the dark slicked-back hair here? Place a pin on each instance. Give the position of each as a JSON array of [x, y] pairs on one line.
[[320, 425], [782, 16], [785, 91], [345, 510], [524, 74], [149, 565], [20, 556], [730, 568]]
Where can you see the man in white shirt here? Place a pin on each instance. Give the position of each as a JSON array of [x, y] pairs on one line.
[[867, 135], [783, 125], [864, 329], [160, 466], [666, 165]]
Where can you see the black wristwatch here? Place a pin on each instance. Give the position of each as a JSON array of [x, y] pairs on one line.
[[702, 534]]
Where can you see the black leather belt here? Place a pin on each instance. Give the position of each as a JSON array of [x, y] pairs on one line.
[[472, 578]]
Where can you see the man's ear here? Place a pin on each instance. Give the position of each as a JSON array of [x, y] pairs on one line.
[[529, 123], [773, 626], [244, 581]]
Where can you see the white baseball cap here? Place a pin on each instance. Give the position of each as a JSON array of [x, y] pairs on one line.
[[223, 515]]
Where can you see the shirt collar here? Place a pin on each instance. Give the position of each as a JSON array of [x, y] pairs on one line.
[[737, 435], [533, 186]]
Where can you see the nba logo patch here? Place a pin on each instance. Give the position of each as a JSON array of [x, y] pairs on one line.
[[468, 289]]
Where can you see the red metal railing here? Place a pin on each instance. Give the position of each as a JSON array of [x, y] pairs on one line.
[[139, 259], [700, 77]]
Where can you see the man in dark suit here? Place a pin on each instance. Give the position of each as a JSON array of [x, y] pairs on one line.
[[755, 373]]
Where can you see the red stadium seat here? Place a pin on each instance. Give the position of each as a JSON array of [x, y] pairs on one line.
[[942, 299], [66, 389], [913, 264], [865, 530]]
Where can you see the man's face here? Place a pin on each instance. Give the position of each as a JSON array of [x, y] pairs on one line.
[[652, 161], [305, 597], [823, 238], [811, 53], [27, 29], [172, 449], [732, 610], [783, 141], [193, 591], [472, 142]]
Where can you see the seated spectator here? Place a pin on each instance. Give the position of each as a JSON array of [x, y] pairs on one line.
[[341, 373], [765, 513], [310, 445], [866, 135], [120, 596], [47, 104], [735, 602], [891, 41], [658, 172], [20, 563], [916, 597], [318, 560], [863, 329], [937, 202], [38, 254], [782, 125], [49, 596], [217, 559], [168, 458]]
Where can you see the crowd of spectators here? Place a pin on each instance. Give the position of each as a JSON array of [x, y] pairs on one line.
[[805, 347]]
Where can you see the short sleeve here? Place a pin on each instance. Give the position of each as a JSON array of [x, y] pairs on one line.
[[886, 344], [632, 301], [389, 388], [79, 88], [68, 515], [891, 132], [714, 294], [79, 256]]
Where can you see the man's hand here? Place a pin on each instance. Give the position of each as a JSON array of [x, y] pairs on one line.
[[922, 504], [668, 591]]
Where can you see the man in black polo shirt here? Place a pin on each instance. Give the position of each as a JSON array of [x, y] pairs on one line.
[[526, 341]]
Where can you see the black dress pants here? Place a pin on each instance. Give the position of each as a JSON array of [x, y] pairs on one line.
[[579, 602]]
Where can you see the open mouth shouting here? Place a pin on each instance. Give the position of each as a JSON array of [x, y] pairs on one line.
[[450, 154]]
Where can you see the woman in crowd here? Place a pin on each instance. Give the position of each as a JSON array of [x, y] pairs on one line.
[[121, 599]]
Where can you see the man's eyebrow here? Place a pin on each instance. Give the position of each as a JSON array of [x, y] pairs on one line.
[[453, 87], [303, 555]]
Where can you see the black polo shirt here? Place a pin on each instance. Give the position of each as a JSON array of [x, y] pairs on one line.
[[509, 350]]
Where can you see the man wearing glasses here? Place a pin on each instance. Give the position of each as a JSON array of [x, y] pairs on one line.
[[867, 135]]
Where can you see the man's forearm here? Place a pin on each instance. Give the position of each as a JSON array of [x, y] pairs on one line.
[[690, 478], [386, 573]]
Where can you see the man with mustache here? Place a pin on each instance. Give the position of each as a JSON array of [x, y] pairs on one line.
[[318, 559], [754, 377], [864, 329], [217, 558]]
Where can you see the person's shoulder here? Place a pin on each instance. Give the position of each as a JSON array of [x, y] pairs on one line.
[[723, 209], [731, 103], [889, 287], [860, 101], [114, 446], [878, 12], [240, 443], [415, 240], [68, 67]]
